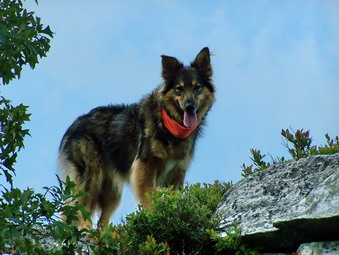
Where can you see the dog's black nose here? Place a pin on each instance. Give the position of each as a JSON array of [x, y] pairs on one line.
[[190, 106]]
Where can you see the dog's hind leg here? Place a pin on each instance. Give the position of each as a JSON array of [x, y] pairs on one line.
[[109, 200], [81, 161], [88, 204]]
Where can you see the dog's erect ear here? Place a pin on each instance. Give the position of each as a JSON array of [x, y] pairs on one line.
[[170, 66], [203, 63]]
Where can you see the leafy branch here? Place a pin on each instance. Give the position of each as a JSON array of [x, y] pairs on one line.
[[22, 39], [12, 135], [301, 148]]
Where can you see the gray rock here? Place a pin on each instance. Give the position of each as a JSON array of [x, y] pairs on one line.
[[315, 248], [287, 204], [319, 248]]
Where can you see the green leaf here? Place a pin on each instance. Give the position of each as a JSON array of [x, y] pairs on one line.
[[47, 31]]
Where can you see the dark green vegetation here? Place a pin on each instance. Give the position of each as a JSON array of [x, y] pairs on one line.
[[180, 222]]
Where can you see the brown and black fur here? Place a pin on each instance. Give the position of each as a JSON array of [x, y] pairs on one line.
[[115, 144]]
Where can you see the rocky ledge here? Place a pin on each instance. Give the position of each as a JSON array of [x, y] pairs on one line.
[[286, 205]]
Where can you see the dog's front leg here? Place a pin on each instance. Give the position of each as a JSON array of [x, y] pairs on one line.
[[176, 178], [143, 178]]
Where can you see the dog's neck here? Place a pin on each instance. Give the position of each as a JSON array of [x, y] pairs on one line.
[[175, 128]]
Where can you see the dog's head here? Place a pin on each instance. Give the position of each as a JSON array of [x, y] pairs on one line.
[[187, 92]]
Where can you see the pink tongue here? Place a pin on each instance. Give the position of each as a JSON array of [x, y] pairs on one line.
[[190, 119]]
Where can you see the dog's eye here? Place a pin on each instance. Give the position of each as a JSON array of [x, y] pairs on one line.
[[179, 89], [197, 88]]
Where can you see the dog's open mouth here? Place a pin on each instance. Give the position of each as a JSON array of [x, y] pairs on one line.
[[190, 119]]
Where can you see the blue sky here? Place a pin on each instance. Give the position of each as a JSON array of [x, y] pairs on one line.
[[275, 66]]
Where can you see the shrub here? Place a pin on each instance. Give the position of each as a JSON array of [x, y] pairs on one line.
[[301, 147], [177, 222], [27, 217]]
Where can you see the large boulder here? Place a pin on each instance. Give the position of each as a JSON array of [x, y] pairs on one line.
[[286, 205]]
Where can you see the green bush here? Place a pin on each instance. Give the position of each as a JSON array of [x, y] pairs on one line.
[[177, 222], [302, 144], [301, 147], [27, 217]]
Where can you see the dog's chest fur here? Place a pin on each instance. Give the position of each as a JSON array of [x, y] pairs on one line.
[[165, 156]]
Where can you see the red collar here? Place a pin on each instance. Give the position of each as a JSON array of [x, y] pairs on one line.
[[175, 128]]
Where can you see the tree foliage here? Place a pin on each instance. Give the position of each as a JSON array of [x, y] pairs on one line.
[[12, 135], [23, 39]]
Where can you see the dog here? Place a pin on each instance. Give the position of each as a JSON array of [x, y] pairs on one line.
[[148, 144]]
